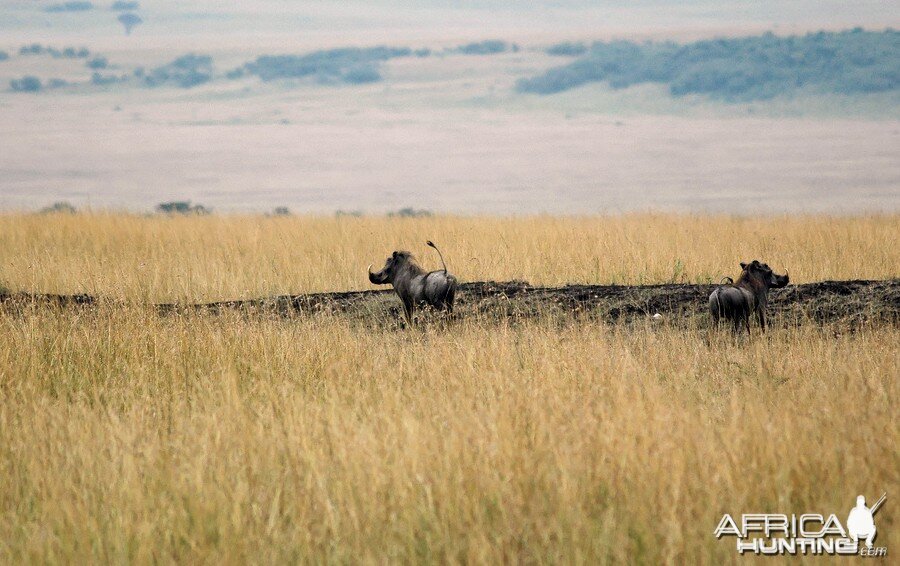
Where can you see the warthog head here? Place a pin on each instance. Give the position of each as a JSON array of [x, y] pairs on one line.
[[392, 266], [760, 274]]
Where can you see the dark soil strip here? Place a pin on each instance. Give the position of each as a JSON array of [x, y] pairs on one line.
[[853, 303]]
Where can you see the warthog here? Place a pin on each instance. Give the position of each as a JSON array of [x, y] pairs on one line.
[[750, 294], [414, 285]]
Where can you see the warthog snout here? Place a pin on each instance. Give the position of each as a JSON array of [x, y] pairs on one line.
[[377, 278], [780, 281]]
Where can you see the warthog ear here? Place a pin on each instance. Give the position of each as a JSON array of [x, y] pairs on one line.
[[743, 265], [395, 255]]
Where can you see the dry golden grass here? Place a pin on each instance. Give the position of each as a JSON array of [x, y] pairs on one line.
[[127, 436], [213, 258]]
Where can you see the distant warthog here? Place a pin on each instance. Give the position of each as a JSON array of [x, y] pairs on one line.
[[750, 294], [414, 285]]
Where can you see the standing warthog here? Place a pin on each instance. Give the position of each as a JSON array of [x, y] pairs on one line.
[[414, 285], [750, 294]]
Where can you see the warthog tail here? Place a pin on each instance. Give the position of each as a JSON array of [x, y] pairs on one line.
[[430, 243]]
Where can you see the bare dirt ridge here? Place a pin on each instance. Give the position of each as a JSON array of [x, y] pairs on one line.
[[852, 303]]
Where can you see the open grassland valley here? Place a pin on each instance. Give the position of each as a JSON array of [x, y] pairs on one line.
[[235, 389]]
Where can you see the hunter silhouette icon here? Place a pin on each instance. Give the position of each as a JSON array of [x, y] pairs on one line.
[[861, 523]]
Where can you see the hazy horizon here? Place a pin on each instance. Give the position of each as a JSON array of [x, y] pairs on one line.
[[449, 132]]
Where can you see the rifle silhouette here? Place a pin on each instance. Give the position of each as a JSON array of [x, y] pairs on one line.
[[878, 503]]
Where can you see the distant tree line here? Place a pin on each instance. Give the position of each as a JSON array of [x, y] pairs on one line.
[[26, 84], [350, 65], [97, 63], [410, 212], [488, 47], [99, 79], [182, 207], [187, 208], [567, 49], [66, 53], [60, 207], [738, 69], [31, 83], [185, 72], [73, 6]]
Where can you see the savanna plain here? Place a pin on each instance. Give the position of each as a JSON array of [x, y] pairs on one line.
[[129, 435]]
